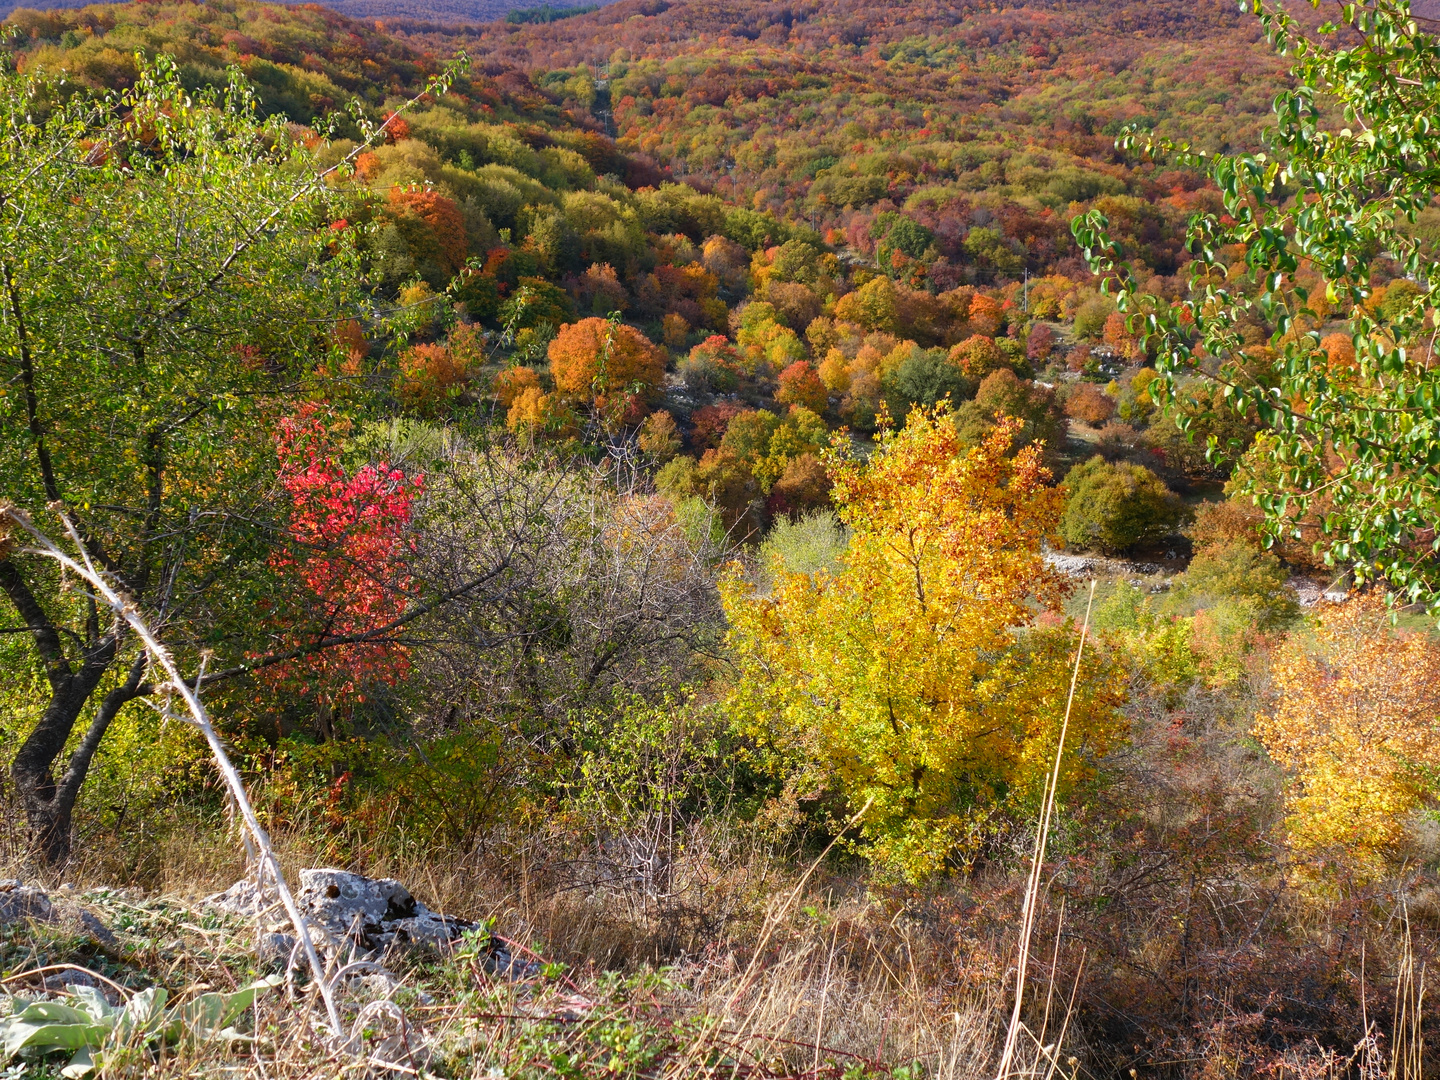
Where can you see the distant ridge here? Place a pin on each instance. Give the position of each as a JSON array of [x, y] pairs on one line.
[[450, 12]]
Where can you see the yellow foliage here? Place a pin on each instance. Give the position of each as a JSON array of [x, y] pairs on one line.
[[768, 341], [913, 678], [534, 413], [676, 329], [1355, 724], [834, 372], [871, 306]]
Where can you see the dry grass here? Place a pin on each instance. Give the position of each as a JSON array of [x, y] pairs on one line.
[[720, 971], [730, 972]]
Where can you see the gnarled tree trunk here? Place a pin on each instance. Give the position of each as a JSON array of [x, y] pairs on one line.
[[50, 802]]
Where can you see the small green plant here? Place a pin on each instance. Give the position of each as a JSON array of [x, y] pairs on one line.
[[813, 543], [1240, 573], [94, 1024]]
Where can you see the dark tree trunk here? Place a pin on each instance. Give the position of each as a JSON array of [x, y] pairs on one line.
[[47, 811], [50, 803]]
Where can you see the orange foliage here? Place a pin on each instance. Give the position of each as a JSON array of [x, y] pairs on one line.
[[986, 315], [606, 364], [367, 166], [429, 376], [977, 356], [804, 485], [443, 218], [799, 385], [1118, 337], [1341, 352], [350, 340], [512, 382], [1089, 404], [660, 436], [396, 128]]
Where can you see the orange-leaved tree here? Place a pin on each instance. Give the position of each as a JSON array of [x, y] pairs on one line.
[[914, 679], [612, 366], [1355, 723]]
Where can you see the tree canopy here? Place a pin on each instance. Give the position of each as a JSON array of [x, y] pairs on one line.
[[906, 682]]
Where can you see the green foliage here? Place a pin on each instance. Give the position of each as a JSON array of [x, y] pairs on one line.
[[703, 527], [1316, 219], [813, 543], [1160, 645], [754, 230], [168, 296], [925, 378], [86, 1029], [642, 769], [547, 14], [1136, 405], [1200, 433], [1113, 507], [536, 303], [1240, 572], [1002, 393], [1090, 318], [479, 293]]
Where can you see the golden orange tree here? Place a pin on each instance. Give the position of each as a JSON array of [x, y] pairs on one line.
[[914, 679], [1356, 721], [608, 364]]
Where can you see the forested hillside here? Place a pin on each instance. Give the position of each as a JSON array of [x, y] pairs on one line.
[[434, 15], [846, 541]]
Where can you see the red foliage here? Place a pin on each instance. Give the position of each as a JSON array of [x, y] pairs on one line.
[[710, 423], [1041, 342], [343, 571]]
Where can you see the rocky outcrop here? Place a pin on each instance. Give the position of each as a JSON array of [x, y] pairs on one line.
[[19, 901], [374, 913], [365, 917]]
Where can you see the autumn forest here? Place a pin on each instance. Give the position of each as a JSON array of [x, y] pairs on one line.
[[683, 539]]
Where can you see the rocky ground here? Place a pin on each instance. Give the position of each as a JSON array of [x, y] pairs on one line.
[[117, 983]]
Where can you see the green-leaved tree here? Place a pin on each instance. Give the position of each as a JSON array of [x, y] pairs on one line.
[[1350, 446], [168, 289]]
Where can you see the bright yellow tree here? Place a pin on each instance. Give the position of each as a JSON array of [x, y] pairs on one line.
[[1357, 723], [914, 679]]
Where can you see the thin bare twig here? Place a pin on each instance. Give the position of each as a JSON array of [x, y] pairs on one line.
[[1042, 835]]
